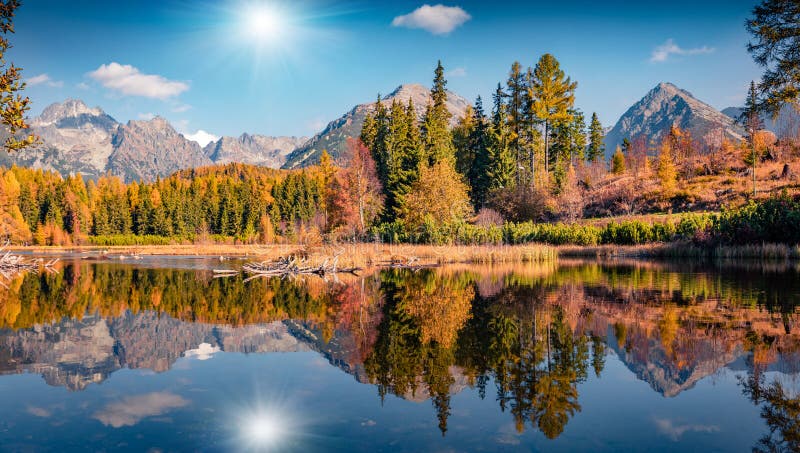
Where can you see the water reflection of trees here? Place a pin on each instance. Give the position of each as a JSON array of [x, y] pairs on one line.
[[780, 409], [526, 337], [527, 351]]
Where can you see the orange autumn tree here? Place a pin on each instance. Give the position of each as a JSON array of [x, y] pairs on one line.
[[355, 198]]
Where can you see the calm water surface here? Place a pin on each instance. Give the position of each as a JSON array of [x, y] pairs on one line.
[[577, 356]]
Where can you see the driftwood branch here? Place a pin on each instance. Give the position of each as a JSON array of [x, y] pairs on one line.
[[293, 266], [12, 264]]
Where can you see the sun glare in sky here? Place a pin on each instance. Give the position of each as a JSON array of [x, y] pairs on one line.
[[264, 24]]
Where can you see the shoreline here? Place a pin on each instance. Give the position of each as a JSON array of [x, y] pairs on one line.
[[369, 254]]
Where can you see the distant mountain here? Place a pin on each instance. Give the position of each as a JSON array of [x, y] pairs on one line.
[[78, 139], [336, 133], [667, 105], [786, 124], [145, 150], [75, 139], [253, 149]]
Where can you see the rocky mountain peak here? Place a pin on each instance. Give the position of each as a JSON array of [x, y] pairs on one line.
[[70, 108], [667, 105], [157, 123]]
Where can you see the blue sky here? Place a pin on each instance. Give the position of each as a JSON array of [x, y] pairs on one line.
[[211, 66]]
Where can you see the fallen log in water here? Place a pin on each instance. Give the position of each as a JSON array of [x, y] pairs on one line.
[[293, 266], [11, 264], [410, 263]]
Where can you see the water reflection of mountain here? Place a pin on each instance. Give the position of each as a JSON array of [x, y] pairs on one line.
[[76, 353]]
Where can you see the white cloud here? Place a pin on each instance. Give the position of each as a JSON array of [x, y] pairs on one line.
[[146, 116], [129, 81], [204, 351], [661, 53], [44, 79], [82, 86], [181, 108], [457, 72], [438, 19], [133, 409], [202, 137]]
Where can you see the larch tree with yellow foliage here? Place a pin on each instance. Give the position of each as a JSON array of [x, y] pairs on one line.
[[438, 197], [667, 173]]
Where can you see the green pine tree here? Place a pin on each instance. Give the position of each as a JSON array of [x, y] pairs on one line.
[[479, 143], [553, 95], [596, 147], [435, 130]]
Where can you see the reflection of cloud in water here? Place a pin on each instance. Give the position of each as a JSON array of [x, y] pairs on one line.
[[675, 432], [38, 411], [508, 435], [133, 409], [203, 352]]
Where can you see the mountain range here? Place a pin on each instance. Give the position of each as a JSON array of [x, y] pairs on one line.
[[78, 139]]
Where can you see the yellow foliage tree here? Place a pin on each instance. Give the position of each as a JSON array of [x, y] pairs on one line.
[[667, 173], [618, 162], [439, 195]]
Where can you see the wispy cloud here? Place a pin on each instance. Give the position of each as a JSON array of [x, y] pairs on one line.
[[180, 108], [82, 86], [457, 72], [202, 138], [133, 409], [146, 116], [44, 79], [437, 19], [38, 411], [675, 431], [662, 53], [129, 81]]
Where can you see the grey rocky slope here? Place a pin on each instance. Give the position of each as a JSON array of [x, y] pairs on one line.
[[334, 137], [253, 149], [667, 105]]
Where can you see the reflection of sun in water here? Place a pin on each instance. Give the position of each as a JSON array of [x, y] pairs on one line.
[[264, 429], [266, 426]]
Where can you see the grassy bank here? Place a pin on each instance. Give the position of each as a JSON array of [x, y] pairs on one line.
[[371, 254], [685, 250], [361, 255]]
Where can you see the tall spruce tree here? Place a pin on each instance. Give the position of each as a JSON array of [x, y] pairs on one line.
[[553, 95], [435, 130], [515, 108], [502, 169], [478, 174], [596, 147]]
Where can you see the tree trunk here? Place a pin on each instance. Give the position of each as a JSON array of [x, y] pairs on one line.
[[546, 148]]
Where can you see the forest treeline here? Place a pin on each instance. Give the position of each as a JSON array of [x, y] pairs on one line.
[[526, 171]]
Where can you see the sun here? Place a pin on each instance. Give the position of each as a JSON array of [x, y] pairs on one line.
[[264, 25]]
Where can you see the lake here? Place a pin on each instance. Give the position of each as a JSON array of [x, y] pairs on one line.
[[158, 355]]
